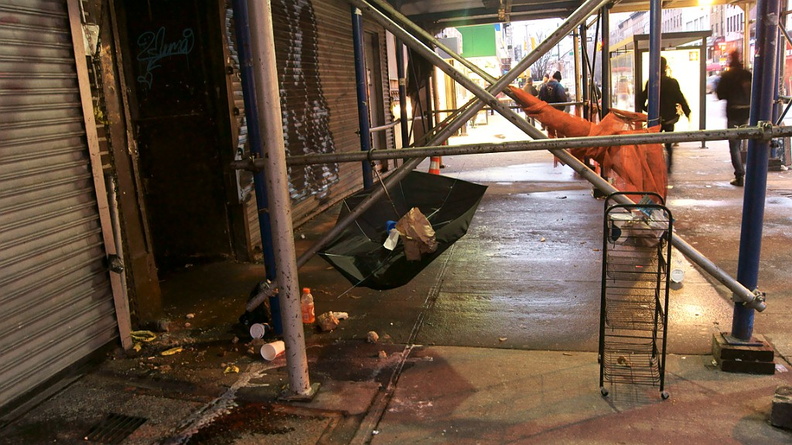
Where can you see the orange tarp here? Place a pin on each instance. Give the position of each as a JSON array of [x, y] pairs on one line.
[[635, 168]]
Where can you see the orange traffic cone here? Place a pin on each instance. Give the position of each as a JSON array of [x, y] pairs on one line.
[[434, 165]]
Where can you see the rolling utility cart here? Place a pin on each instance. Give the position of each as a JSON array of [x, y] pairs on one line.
[[636, 257]]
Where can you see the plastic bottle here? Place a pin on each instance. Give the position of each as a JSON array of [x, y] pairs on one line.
[[307, 306]]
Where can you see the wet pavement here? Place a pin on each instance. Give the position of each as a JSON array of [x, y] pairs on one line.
[[494, 342]]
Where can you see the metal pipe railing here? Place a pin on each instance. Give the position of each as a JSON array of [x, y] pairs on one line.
[[385, 127], [764, 131]]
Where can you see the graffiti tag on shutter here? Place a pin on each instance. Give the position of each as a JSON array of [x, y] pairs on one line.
[[153, 49]]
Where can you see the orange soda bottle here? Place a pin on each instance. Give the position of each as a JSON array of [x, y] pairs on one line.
[[307, 306]]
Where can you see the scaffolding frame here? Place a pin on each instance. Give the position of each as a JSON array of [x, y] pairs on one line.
[[765, 92]]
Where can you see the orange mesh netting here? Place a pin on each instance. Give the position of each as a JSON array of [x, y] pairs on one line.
[[634, 168]]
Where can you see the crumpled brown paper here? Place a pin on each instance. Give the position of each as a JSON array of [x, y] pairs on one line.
[[417, 234], [327, 321]]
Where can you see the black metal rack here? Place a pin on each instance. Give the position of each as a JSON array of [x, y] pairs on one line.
[[636, 255]]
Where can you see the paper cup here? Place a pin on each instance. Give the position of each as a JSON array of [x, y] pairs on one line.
[[272, 350], [257, 330]]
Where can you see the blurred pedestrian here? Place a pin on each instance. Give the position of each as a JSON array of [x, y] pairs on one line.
[[672, 105], [553, 92], [735, 87], [545, 79], [530, 88]]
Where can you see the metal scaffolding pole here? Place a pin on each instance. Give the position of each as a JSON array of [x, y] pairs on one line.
[[764, 131], [606, 72], [740, 292], [270, 124], [242, 26], [762, 92], [578, 69], [584, 73], [403, 119], [759, 132], [362, 94], [655, 42]]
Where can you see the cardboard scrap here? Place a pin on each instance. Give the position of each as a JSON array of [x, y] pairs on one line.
[[417, 234]]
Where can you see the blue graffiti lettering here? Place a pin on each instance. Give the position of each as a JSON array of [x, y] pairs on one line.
[[153, 49]]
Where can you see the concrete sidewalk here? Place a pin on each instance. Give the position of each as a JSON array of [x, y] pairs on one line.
[[495, 342]]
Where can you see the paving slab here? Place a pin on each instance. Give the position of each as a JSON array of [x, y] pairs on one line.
[[485, 395]]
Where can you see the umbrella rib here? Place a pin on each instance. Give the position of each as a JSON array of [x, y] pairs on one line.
[[445, 200], [379, 178], [375, 270], [356, 221]]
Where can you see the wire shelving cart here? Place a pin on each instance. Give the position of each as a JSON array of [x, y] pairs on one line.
[[635, 289]]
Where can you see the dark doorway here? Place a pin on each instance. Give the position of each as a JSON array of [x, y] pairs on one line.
[[173, 64]]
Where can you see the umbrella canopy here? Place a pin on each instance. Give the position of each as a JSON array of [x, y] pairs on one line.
[[448, 204]]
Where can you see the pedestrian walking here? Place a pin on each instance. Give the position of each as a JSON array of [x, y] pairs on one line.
[[672, 106], [735, 88], [530, 88], [553, 92]]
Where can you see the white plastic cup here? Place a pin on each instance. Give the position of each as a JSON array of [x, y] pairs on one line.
[[271, 350], [257, 330]]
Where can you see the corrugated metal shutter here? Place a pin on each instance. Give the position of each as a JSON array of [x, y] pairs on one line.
[[314, 43], [56, 304]]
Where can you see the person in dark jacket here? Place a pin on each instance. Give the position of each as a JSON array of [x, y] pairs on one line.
[[670, 96], [735, 87], [553, 92]]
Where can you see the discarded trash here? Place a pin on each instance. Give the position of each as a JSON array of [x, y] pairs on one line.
[[190, 316], [137, 347], [419, 236], [272, 350], [624, 361], [231, 370], [341, 315], [144, 336], [677, 275], [307, 306], [257, 330], [383, 354], [393, 238], [780, 368], [327, 321], [267, 293], [372, 337], [172, 351], [502, 339]]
